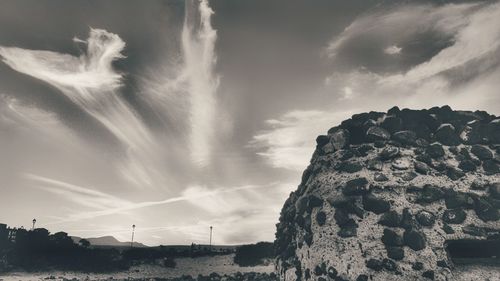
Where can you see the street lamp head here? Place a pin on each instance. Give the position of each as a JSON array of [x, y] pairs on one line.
[[132, 241]]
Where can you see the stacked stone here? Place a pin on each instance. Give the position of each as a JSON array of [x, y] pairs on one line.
[[384, 191]]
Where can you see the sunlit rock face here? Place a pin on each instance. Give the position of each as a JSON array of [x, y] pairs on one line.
[[388, 195]]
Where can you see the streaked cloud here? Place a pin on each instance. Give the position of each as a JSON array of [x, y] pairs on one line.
[[198, 46], [249, 207], [91, 83], [225, 201], [146, 158], [459, 73], [92, 70], [422, 30], [190, 116], [33, 137], [289, 141], [186, 196], [183, 91], [84, 196], [16, 115], [469, 46], [254, 210]]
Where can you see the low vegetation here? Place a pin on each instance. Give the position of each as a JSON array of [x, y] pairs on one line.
[[38, 250], [254, 254]]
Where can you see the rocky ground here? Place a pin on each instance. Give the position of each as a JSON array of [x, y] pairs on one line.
[[247, 276], [216, 268], [384, 193]]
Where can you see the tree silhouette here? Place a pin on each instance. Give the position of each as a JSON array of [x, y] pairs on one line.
[[84, 243]]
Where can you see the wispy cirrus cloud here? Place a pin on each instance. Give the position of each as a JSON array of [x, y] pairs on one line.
[[92, 84], [253, 209], [246, 206], [128, 206], [161, 122], [31, 135], [83, 196], [290, 140], [198, 46], [168, 159], [183, 91], [369, 75], [440, 58], [469, 46], [15, 114], [92, 70], [415, 32]]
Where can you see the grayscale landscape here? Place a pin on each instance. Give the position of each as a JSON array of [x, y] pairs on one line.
[[224, 140]]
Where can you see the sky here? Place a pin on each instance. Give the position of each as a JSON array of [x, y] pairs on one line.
[[180, 115]]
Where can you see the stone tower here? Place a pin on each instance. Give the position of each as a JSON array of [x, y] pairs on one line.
[[402, 195]]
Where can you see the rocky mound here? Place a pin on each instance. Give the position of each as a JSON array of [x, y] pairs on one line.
[[385, 193]]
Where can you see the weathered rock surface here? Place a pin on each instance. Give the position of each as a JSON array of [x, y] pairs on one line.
[[385, 191]]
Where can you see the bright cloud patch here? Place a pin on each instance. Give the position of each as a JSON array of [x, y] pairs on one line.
[[90, 71], [198, 45], [252, 207], [392, 50], [289, 142]]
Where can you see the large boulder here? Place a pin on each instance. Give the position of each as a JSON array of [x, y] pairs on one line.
[[481, 152], [376, 133], [405, 137], [447, 135]]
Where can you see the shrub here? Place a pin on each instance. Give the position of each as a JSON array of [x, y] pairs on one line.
[[254, 254]]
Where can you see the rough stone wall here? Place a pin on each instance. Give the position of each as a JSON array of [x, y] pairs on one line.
[[383, 193]]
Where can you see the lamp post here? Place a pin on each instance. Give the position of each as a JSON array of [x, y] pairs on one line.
[[132, 242], [34, 221], [211, 238]]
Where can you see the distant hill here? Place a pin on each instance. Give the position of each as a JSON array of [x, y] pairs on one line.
[[108, 241]]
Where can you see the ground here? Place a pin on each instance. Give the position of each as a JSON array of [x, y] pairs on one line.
[[185, 266]]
